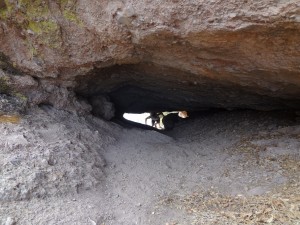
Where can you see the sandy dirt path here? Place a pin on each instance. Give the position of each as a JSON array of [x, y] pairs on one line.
[[237, 167]]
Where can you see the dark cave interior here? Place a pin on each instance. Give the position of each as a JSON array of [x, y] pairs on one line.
[[147, 87]]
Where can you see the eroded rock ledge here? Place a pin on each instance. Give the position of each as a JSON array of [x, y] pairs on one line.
[[152, 55]]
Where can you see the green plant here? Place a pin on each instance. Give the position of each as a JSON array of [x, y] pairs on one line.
[[4, 87]]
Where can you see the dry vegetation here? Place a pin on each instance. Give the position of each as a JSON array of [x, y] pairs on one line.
[[280, 206]]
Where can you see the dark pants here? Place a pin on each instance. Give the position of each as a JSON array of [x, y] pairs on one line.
[[170, 120]]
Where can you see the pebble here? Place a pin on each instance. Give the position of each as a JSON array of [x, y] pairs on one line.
[[30, 32], [10, 221], [92, 221], [44, 162]]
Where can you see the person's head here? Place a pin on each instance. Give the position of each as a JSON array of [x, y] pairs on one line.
[[183, 114]]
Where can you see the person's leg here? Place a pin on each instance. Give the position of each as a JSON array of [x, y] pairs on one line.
[[169, 121]]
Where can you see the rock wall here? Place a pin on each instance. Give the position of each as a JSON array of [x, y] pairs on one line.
[[227, 48]]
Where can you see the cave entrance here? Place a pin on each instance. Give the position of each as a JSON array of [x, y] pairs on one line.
[[138, 117], [147, 87], [157, 120], [150, 119]]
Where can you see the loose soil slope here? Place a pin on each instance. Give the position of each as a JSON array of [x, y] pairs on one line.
[[239, 167]]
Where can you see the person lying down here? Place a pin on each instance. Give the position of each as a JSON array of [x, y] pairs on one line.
[[165, 120]]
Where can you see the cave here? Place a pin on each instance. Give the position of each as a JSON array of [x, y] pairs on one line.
[[148, 87], [222, 76]]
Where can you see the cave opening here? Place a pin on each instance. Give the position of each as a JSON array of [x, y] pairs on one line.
[[157, 120], [133, 90], [137, 117]]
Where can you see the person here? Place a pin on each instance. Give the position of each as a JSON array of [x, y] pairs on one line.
[[155, 119], [170, 118]]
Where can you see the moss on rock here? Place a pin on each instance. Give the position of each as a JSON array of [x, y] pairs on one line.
[[7, 66], [12, 105], [3, 5], [72, 16], [68, 8], [43, 27], [11, 100], [5, 9], [33, 15], [4, 87]]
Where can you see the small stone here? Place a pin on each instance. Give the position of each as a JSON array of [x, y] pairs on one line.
[[44, 162], [15, 161], [92, 221], [10, 221], [232, 15], [30, 32], [297, 18]]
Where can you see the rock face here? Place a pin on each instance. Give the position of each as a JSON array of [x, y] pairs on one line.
[[102, 107], [172, 54], [51, 153]]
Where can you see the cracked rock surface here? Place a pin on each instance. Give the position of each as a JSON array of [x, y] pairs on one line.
[[224, 54]]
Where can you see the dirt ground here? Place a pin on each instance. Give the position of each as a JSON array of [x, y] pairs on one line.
[[230, 167]]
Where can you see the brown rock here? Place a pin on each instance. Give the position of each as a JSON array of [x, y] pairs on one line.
[[192, 54]]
